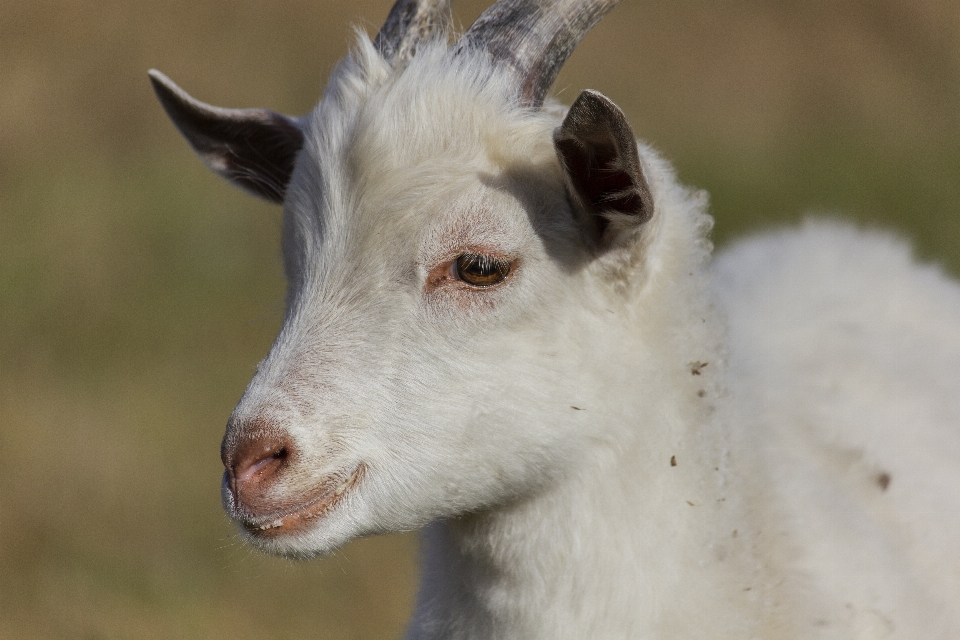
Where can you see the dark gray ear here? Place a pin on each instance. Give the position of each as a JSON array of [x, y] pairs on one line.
[[598, 152], [253, 148]]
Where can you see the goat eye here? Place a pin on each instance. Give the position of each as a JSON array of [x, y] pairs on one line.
[[481, 270]]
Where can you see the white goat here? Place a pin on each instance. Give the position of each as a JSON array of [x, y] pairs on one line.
[[502, 322]]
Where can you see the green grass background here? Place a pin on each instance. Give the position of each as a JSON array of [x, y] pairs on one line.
[[137, 291]]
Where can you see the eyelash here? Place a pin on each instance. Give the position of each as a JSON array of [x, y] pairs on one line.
[[480, 270]]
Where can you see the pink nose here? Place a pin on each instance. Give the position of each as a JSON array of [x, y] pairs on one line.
[[253, 462]]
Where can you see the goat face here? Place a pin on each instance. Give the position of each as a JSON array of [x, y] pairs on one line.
[[431, 238], [418, 363]]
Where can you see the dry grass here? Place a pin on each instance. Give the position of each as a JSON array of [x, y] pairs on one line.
[[137, 292]]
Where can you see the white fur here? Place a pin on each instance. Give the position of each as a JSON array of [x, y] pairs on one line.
[[532, 426]]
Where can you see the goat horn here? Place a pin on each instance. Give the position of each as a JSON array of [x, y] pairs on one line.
[[410, 22], [534, 38]]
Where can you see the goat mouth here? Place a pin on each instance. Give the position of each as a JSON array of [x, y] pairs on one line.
[[331, 491]]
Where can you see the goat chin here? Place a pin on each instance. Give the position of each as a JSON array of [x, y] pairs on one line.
[[504, 325]]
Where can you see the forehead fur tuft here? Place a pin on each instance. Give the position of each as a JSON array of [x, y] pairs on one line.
[[441, 105]]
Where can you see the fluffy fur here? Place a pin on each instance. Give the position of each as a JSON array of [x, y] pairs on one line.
[[623, 443]]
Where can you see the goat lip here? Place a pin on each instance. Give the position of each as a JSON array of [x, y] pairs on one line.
[[326, 497]]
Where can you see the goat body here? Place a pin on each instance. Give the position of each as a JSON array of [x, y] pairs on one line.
[[504, 325]]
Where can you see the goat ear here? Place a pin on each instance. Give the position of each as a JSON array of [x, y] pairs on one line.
[[598, 153], [253, 148]]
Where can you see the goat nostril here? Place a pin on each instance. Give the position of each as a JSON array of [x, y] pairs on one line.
[[250, 467], [256, 461]]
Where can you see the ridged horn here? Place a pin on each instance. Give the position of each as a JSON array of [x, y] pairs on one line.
[[409, 23], [534, 38]]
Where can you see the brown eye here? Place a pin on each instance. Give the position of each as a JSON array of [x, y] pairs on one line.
[[481, 270]]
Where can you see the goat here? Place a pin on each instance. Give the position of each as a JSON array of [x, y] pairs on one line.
[[503, 325]]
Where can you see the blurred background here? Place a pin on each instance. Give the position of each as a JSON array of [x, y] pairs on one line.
[[138, 291]]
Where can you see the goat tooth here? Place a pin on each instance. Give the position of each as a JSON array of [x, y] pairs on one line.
[[271, 525]]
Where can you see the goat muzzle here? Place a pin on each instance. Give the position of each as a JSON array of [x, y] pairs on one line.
[[254, 462]]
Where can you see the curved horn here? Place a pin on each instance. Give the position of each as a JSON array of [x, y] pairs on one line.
[[534, 38], [410, 22]]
